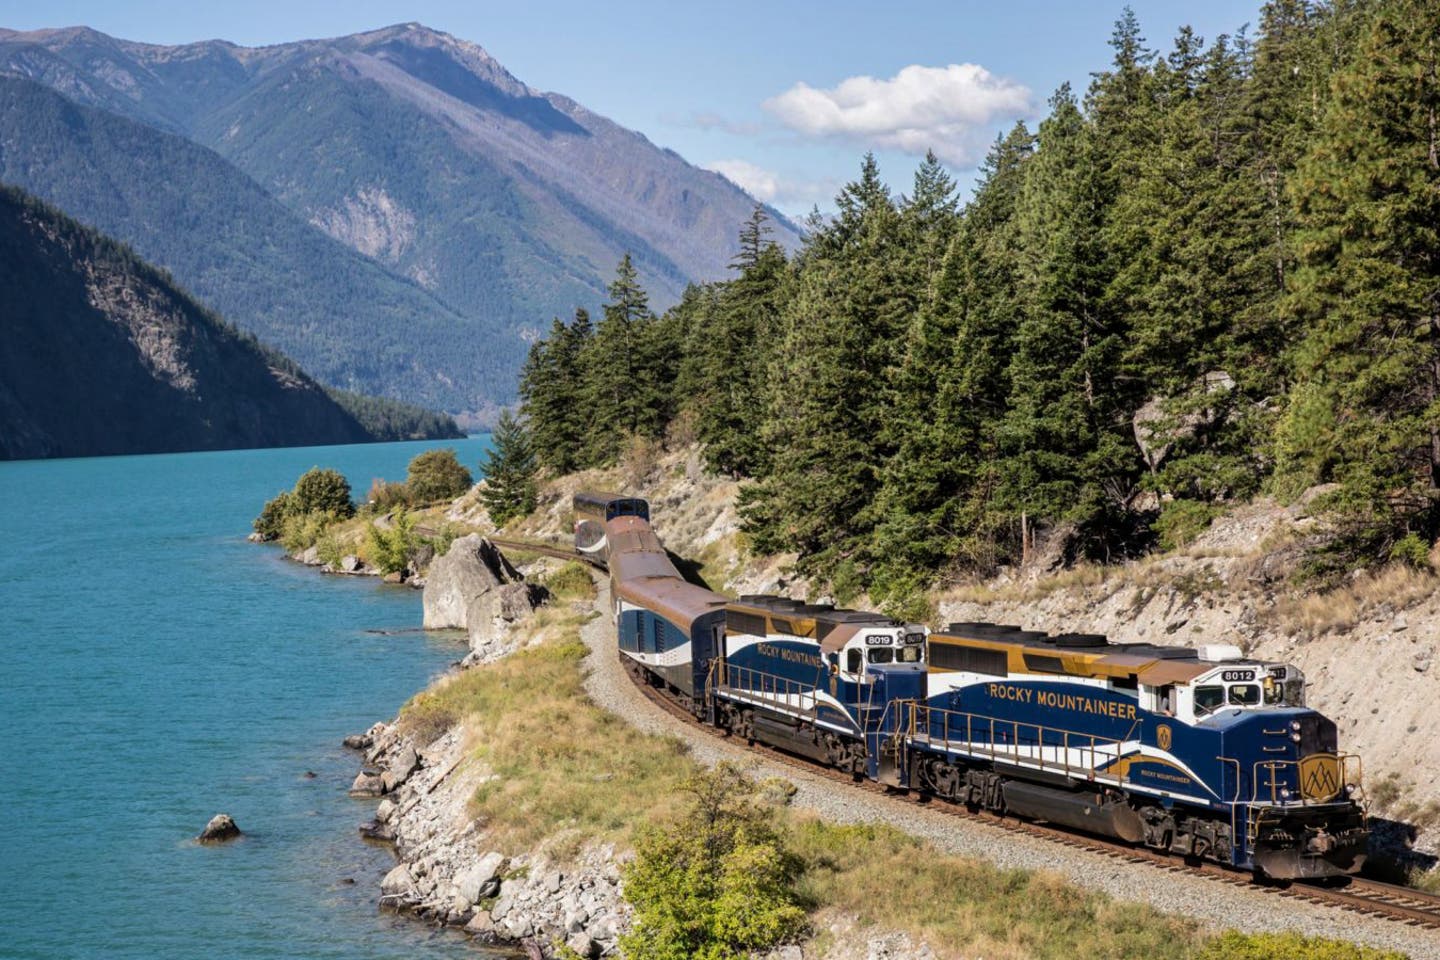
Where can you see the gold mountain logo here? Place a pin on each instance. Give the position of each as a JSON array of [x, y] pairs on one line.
[[1162, 736], [1319, 776]]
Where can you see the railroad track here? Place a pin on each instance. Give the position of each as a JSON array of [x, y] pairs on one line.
[[1400, 904], [547, 549]]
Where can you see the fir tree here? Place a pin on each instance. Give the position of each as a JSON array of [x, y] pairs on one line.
[[509, 469]]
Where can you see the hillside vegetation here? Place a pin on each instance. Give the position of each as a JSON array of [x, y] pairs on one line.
[[1215, 275]]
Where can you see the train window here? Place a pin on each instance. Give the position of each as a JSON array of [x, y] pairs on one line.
[[1245, 694], [855, 661], [909, 654], [1274, 692], [882, 655], [1208, 699]]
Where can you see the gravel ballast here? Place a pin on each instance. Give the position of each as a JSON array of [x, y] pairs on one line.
[[1214, 903]]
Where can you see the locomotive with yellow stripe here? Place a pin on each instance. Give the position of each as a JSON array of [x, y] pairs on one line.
[[1195, 750]]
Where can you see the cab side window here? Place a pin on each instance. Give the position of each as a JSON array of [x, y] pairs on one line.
[[1208, 699], [855, 661], [1245, 694]]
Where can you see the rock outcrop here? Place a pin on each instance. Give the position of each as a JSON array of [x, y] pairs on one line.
[[221, 828], [464, 574]]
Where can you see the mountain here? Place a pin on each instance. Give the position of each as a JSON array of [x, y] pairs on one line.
[[342, 316], [101, 353], [420, 151]]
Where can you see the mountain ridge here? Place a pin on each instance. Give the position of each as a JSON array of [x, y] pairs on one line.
[[421, 151]]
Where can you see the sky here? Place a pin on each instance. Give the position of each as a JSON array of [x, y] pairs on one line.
[[782, 97]]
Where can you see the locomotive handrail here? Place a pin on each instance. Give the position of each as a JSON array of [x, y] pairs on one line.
[[1086, 744], [1344, 763], [753, 682]]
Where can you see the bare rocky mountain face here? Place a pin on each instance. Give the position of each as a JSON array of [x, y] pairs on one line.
[[102, 354], [421, 151]]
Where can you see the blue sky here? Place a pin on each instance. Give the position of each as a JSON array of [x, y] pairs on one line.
[[784, 97]]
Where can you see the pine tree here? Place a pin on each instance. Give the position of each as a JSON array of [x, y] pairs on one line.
[[509, 469], [624, 389], [1365, 410], [554, 396]]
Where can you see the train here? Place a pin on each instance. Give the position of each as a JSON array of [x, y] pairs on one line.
[[1198, 751]]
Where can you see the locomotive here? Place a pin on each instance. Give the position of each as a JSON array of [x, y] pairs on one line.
[[1199, 751]]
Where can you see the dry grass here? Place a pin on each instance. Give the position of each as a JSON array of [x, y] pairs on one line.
[[967, 908], [1082, 576], [1396, 586]]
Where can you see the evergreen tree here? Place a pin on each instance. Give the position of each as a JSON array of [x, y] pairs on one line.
[[509, 469], [624, 389], [1365, 410]]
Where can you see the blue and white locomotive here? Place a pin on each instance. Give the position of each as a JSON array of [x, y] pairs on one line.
[[1198, 751]]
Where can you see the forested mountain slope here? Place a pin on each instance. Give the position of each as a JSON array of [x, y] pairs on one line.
[[101, 353], [421, 151], [1214, 276]]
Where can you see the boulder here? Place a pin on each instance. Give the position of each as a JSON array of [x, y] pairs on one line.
[[351, 564], [582, 945], [220, 829], [491, 614], [480, 880], [398, 882], [405, 762], [367, 785], [471, 567]]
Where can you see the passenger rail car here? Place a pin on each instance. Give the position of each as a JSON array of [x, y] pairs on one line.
[[1200, 751], [594, 510]]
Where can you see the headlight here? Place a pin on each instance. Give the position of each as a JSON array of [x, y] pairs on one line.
[[1295, 737], [1285, 793], [1295, 725]]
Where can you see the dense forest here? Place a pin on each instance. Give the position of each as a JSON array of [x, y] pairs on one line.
[[1215, 275]]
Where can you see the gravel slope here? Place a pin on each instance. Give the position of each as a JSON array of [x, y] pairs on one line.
[[1212, 902]]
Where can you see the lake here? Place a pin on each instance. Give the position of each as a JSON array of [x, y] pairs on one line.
[[160, 669]]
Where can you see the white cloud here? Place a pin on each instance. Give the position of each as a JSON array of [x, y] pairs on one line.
[[946, 109], [756, 181], [785, 193]]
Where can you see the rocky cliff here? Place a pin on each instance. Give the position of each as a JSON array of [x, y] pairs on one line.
[[103, 354]]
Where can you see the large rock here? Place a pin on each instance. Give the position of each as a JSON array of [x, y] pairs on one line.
[[220, 829], [398, 882], [480, 880], [472, 567], [490, 615]]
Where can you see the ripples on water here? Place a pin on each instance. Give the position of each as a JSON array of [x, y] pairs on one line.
[[158, 670]]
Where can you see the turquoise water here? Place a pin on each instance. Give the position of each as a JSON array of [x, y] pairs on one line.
[[158, 670]]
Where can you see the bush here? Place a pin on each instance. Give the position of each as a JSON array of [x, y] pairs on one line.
[[1289, 946], [718, 883], [1412, 550], [385, 496], [324, 491], [571, 582], [390, 550], [1181, 521], [270, 524], [301, 531], [436, 475]]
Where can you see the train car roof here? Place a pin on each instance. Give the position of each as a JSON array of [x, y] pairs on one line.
[[672, 598], [831, 626], [1085, 654], [601, 498], [630, 535]]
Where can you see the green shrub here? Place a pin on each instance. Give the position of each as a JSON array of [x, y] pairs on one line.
[[716, 884], [301, 531], [571, 582], [385, 496], [1233, 945], [1181, 521], [436, 475], [323, 491], [390, 550], [271, 521], [1412, 549], [329, 548]]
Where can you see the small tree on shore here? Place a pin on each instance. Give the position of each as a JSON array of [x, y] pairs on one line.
[[437, 475], [323, 491], [716, 884], [509, 470]]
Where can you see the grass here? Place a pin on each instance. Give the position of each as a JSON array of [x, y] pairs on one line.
[[571, 582], [1395, 587]]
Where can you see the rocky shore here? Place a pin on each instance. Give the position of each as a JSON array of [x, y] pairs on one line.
[[446, 871]]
